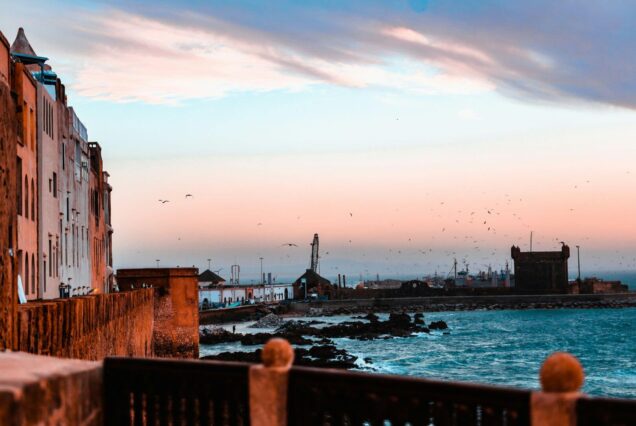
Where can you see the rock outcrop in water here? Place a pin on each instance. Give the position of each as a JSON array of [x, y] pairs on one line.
[[323, 353], [300, 332], [268, 321], [327, 356]]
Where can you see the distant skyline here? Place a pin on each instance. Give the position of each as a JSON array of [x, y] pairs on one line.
[[392, 129]]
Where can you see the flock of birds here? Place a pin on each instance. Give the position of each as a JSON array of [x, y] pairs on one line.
[[480, 232], [167, 201]]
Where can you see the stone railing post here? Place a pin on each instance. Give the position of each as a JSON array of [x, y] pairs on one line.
[[268, 384], [561, 378]]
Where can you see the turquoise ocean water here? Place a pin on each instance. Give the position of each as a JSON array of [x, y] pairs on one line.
[[504, 347]]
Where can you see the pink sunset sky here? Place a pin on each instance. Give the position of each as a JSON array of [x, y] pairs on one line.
[[393, 131]]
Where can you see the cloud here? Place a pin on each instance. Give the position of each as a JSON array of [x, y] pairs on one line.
[[174, 51]]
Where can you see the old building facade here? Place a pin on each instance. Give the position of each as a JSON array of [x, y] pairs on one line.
[[24, 86], [60, 191], [48, 190], [100, 228], [74, 206], [8, 211]]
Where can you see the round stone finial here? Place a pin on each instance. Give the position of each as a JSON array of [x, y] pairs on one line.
[[277, 352], [561, 372]]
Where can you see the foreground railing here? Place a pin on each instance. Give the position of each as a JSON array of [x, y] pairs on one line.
[[169, 392], [318, 397]]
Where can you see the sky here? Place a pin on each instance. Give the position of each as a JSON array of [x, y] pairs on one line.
[[405, 133]]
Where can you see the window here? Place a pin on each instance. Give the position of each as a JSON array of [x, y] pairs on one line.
[[22, 137], [50, 259], [67, 208], [45, 114], [32, 129], [54, 184], [19, 186], [33, 273], [63, 156], [26, 197], [57, 255], [32, 200], [26, 273]]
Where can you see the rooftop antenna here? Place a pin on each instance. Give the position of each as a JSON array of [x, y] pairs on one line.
[[209, 262]]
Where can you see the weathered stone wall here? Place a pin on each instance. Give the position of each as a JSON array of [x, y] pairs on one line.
[[8, 224], [89, 327], [36, 390], [176, 327]]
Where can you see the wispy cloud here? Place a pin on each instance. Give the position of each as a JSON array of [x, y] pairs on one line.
[[139, 58], [556, 51]]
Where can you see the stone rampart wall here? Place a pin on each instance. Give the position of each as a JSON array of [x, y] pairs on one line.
[[89, 327]]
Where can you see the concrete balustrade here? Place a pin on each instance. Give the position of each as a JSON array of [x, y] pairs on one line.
[[43, 390], [561, 378], [50, 391], [268, 384]]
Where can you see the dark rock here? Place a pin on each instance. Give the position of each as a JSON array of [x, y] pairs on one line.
[[327, 356], [438, 325]]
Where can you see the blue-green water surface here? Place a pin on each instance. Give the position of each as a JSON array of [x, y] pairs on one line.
[[505, 347]]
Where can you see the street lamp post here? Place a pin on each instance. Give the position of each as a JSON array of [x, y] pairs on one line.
[[578, 257], [262, 279], [157, 260]]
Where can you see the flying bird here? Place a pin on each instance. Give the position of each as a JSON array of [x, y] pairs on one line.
[[350, 214], [289, 245], [164, 201], [189, 195]]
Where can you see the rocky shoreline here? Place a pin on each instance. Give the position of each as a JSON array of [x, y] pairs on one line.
[[323, 353], [448, 307], [403, 321]]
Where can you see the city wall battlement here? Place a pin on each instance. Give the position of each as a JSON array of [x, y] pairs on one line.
[[89, 327]]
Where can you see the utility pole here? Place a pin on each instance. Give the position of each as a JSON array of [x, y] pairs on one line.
[[530, 240], [578, 257], [455, 269]]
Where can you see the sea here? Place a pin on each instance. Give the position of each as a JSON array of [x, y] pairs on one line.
[[503, 347]]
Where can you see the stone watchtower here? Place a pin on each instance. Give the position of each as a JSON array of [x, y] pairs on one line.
[[176, 324], [541, 271]]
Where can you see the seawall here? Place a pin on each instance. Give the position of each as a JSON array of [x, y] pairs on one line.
[[89, 327], [239, 313], [444, 303]]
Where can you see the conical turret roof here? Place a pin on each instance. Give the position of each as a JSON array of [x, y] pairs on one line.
[[21, 44]]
